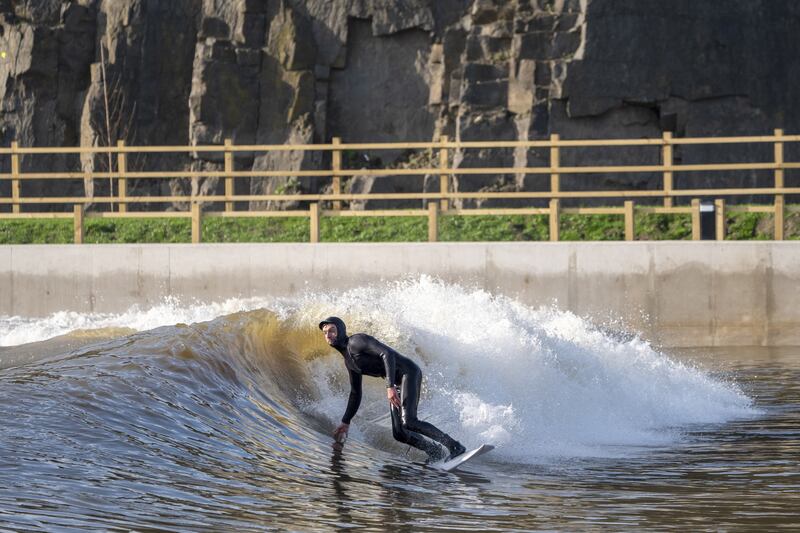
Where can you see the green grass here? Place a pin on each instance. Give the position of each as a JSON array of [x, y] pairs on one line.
[[373, 229], [592, 228], [741, 226], [288, 229], [750, 226], [493, 228], [129, 230], [657, 227], [58, 231], [792, 231]]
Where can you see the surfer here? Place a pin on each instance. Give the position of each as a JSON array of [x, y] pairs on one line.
[[365, 355]]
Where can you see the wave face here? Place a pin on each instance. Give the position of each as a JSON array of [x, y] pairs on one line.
[[104, 410]]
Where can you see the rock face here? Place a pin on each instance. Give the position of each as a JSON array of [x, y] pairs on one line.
[[197, 72]]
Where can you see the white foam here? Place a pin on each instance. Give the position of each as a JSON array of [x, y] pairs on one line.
[[536, 382], [16, 330]]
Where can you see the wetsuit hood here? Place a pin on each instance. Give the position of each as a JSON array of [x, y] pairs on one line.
[[341, 329]]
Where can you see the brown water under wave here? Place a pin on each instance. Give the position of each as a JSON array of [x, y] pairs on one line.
[[207, 427], [56, 347], [139, 428]]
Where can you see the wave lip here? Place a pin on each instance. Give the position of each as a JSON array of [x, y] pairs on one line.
[[16, 330]]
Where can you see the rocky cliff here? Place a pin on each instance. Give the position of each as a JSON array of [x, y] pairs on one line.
[[178, 72]]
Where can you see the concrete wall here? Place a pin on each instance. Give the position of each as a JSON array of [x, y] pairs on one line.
[[675, 293]]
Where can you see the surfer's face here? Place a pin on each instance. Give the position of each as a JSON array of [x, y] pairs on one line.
[[330, 332]]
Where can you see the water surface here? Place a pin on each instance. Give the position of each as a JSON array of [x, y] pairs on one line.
[[220, 419]]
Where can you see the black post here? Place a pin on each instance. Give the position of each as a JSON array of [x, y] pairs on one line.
[[708, 222]]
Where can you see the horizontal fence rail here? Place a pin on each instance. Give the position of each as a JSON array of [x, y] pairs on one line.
[[119, 176]]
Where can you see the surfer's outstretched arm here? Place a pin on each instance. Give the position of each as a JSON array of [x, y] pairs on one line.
[[354, 400]]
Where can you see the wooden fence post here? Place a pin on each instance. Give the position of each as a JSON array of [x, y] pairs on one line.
[[313, 215], [779, 199], [555, 186], [77, 222], [15, 207], [696, 219], [122, 168], [555, 156], [197, 222], [336, 163], [444, 180], [629, 220], [555, 216], [667, 160], [228, 171], [433, 222], [721, 222]]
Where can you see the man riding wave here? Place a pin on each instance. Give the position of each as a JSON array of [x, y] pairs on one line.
[[365, 355]]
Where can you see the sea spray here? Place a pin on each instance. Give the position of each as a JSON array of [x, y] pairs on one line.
[[535, 381]]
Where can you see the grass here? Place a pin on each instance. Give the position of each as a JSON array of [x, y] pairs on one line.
[[289, 229], [373, 229], [129, 230], [493, 228], [36, 231], [741, 226], [656, 227], [750, 226]]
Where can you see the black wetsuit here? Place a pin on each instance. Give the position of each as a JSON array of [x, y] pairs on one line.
[[365, 355]]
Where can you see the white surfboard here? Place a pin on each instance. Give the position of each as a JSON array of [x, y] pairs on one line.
[[463, 458]]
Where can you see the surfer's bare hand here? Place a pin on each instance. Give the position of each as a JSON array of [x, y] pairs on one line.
[[340, 433], [394, 398]]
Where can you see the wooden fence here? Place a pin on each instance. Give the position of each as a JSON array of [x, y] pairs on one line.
[[439, 203]]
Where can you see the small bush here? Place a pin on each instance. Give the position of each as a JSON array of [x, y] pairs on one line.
[[659, 227]]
